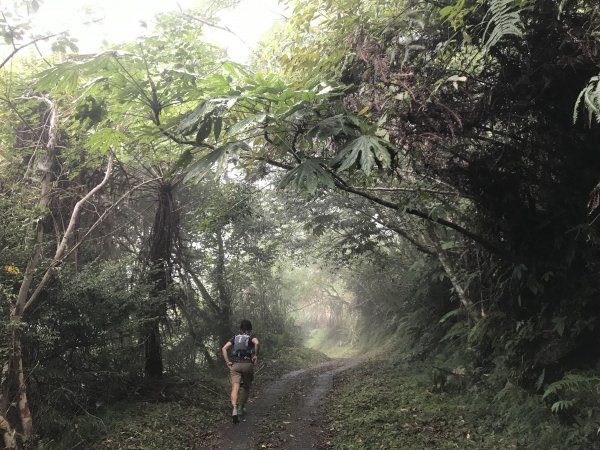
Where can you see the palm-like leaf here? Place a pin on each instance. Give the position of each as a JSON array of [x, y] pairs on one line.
[[218, 156], [340, 124], [190, 123], [367, 150], [307, 176]]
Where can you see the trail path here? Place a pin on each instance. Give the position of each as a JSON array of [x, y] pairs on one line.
[[287, 414]]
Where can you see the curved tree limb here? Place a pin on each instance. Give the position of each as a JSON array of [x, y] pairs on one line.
[[68, 233], [415, 212]]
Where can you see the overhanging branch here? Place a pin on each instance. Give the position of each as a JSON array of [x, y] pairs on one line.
[[58, 255]]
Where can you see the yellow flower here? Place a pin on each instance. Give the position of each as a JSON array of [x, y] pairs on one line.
[[12, 269]]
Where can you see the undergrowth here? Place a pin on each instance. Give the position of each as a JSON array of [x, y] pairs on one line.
[[383, 404], [170, 413], [173, 413]]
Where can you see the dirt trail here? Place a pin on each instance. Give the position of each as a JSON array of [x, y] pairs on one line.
[[286, 414]]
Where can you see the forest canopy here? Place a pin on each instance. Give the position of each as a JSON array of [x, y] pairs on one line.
[[419, 170]]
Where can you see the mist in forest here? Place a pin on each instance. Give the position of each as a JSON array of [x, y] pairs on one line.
[[401, 197]]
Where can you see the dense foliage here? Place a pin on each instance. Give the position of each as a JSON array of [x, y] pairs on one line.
[[437, 165]]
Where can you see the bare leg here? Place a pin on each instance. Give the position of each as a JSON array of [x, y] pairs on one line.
[[244, 393], [235, 389]]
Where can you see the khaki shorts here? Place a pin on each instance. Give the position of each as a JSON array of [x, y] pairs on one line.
[[242, 372]]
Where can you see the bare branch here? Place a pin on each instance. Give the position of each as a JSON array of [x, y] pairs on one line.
[[214, 25], [68, 233], [35, 41], [415, 190], [104, 214]]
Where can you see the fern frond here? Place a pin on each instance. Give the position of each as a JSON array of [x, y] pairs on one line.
[[561, 405], [590, 96], [448, 315], [504, 20], [458, 329], [572, 382], [561, 7], [483, 326], [540, 380]]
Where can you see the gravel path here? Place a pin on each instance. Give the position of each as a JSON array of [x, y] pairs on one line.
[[286, 414]]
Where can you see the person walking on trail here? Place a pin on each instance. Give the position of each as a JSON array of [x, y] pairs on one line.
[[241, 354]]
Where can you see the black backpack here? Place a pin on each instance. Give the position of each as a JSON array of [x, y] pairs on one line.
[[242, 346]]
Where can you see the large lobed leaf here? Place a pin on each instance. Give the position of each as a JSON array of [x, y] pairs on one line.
[[190, 123], [340, 124], [218, 156], [366, 150], [307, 176]]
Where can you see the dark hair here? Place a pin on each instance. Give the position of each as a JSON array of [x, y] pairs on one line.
[[245, 325]]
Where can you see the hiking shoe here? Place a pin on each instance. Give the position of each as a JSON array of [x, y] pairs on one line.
[[234, 415]]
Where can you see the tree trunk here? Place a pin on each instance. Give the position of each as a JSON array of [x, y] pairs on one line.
[[153, 350], [160, 265], [8, 434], [22, 403], [462, 296], [450, 272], [13, 372], [15, 367], [223, 290], [194, 317]]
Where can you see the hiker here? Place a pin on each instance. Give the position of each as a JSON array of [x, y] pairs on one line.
[[241, 354]]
